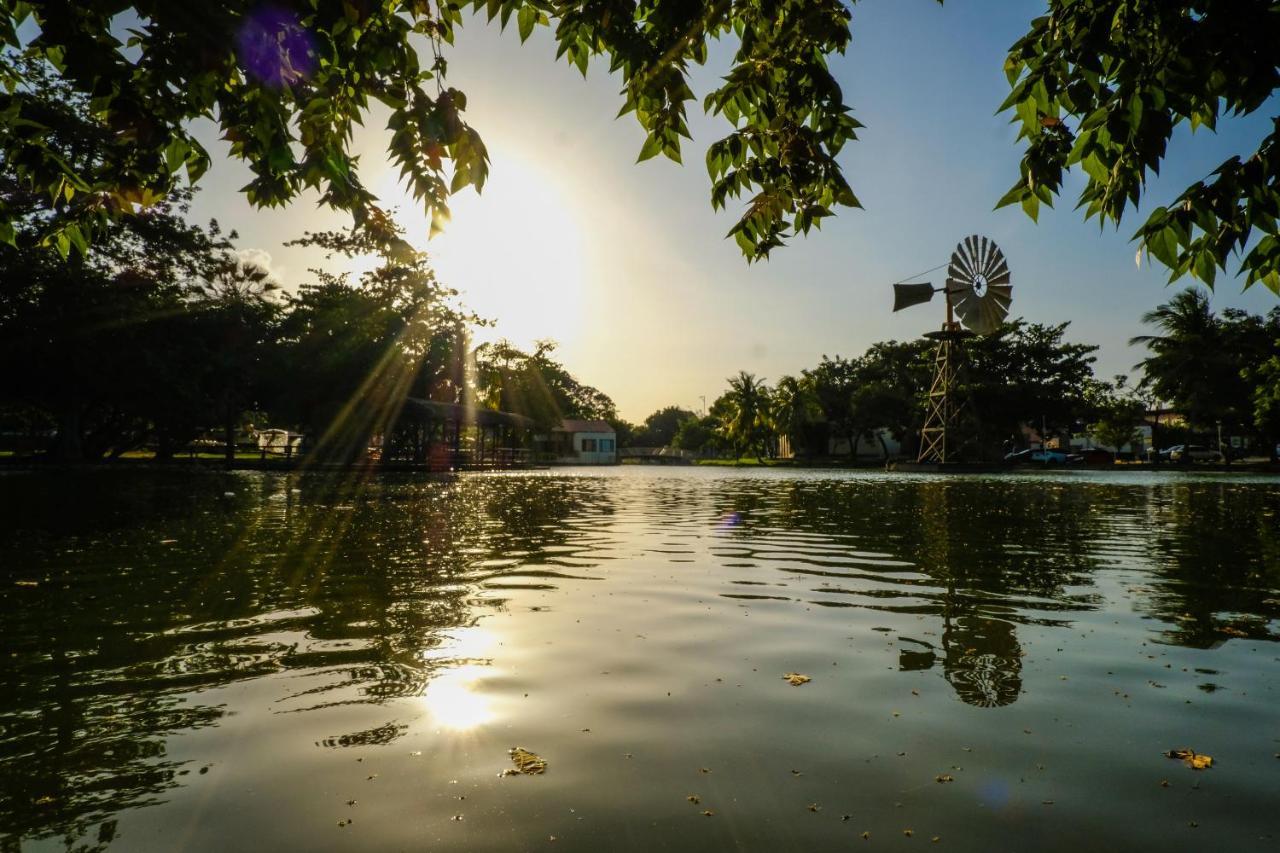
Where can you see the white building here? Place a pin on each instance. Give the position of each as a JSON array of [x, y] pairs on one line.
[[577, 442]]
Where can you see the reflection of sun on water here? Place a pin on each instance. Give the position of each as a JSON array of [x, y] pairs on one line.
[[515, 251], [453, 701], [452, 696]]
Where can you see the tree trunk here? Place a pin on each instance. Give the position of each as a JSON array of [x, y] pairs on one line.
[[884, 447], [853, 447]]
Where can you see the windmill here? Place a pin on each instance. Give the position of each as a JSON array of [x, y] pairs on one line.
[[978, 291]]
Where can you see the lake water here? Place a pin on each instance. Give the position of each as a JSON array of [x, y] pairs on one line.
[[214, 661]]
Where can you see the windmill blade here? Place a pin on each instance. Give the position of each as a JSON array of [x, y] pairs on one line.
[[979, 283]]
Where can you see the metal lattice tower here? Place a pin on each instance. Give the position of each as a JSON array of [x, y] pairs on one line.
[[940, 437]]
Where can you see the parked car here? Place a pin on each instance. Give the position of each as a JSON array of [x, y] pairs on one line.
[[1187, 453], [1044, 457], [1096, 456]]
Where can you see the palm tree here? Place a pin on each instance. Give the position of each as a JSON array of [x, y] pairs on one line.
[[794, 408], [1189, 366], [748, 426]]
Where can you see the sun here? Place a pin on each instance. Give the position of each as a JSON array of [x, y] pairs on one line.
[[515, 251]]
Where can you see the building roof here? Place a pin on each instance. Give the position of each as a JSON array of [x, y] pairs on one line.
[[571, 425]]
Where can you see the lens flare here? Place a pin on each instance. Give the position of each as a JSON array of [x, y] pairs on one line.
[[275, 48], [729, 520]]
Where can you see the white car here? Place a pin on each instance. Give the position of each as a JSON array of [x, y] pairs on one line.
[[1193, 453]]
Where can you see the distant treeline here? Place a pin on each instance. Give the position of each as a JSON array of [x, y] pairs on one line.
[[162, 334], [1217, 371]]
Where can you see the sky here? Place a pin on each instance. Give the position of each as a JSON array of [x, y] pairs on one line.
[[625, 265]]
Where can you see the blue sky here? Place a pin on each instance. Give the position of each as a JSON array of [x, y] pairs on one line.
[[625, 264]]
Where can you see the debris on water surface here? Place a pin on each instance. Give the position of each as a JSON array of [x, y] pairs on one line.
[[814, 807], [456, 817], [944, 777], [26, 583], [866, 836], [694, 798], [1191, 758], [526, 761], [908, 833], [795, 679], [707, 813], [704, 769]]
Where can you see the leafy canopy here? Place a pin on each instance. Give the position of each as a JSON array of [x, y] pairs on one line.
[[1099, 84], [287, 82], [1104, 84]]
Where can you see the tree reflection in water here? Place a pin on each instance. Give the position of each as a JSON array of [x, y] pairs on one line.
[[155, 591], [188, 582]]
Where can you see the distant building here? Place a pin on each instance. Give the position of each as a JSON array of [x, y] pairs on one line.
[[577, 442]]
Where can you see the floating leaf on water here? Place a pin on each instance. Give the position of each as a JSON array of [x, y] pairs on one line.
[[944, 777], [936, 839], [44, 801], [866, 836], [1191, 758], [795, 679], [26, 583], [694, 798], [814, 807], [707, 813], [908, 833], [526, 761], [704, 769]]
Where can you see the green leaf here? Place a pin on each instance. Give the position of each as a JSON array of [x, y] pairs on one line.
[[526, 19]]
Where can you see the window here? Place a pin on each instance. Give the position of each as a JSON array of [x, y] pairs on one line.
[[606, 445], [589, 445]]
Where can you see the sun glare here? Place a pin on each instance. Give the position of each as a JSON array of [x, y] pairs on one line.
[[451, 696], [453, 701], [515, 251]]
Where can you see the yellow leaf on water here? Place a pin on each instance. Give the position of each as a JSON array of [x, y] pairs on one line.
[[526, 761], [1191, 758], [795, 679]]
